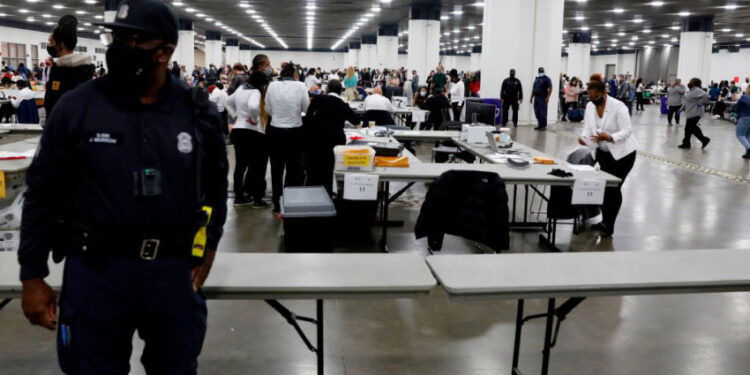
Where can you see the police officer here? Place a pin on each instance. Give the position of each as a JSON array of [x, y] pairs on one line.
[[540, 98], [511, 93], [129, 180]]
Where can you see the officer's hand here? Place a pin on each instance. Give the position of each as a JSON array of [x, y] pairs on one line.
[[581, 141], [520, 102], [251, 122], [200, 274], [39, 303], [546, 100], [531, 100]]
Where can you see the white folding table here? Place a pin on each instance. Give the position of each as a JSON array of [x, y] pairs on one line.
[[287, 276], [591, 274]]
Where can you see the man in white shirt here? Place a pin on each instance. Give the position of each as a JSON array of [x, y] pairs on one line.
[[286, 100], [378, 102], [47, 68], [24, 93], [457, 90]]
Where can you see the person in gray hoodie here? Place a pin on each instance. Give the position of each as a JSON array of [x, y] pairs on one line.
[[692, 105], [674, 101]]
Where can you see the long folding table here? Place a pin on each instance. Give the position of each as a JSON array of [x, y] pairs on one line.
[[580, 275], [269, 277], [418, 171]]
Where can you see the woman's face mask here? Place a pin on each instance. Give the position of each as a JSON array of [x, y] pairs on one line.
[[423, 93]]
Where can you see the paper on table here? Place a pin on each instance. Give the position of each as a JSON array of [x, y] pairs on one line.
[[418, 116], [499, 158], [581, 167], [11, 154]]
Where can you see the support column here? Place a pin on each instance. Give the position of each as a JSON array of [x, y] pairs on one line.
[[579, 55], [476, 55], [110, 10], [696, 42], [532, 29], [232, 51], [368, 55], [246, 57], [213, 48], [449, 61], [184, 54], [424, 39], [353, 55], [387, 44]]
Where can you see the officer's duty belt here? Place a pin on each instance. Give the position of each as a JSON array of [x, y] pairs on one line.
[[89, 244]]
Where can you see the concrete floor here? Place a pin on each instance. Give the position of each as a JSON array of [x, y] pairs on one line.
[[673, 199]]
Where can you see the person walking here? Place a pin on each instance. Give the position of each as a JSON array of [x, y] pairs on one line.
[[542, 89], [692, 105], [639, 91], [675, 94], [570, 97], [511, 92], [608, 129], [743, 123], [130, 167], [623, 93]]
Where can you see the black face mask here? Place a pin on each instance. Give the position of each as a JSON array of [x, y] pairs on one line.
[[52, 50], [598, 101], [130, 67]]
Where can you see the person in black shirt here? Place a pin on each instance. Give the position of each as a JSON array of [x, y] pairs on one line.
[[175, 69], [71, 69], [435, 104], [511, 93], [129, 167], [323, 127]]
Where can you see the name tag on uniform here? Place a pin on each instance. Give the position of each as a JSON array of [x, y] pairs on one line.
[[104, 138], [55, 85]]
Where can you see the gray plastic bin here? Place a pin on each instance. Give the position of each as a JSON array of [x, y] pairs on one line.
[[309, 218]]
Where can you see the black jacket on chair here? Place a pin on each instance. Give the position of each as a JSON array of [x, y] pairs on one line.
[[469, 204], [380, 117]]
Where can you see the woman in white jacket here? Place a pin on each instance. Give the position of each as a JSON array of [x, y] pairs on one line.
[[608, 129]]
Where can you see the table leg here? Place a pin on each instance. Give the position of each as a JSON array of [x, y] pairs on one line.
[[384, 218], [515, 192], [4, 302], [319, 347], [517, 341], [548, 336]]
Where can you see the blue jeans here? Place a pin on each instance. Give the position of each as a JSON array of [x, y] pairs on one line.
[[540, 110], [743, 132]]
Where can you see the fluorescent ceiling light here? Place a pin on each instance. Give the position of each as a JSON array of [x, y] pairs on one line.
[[683, 14], [656, 3], [609, 25], [618, 10]]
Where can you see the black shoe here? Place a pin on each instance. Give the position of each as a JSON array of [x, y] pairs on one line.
[[540, 128], [670, 124], [241, 201], [603, 230], [515, 125], [564, 120], [684, 146], [261, 204], [706, 142], [747, 155]]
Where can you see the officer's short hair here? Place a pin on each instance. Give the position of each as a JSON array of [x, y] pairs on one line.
[[21, 84], [334, 86]]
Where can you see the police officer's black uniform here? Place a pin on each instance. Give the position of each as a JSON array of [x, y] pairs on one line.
[[129, 181], [511, 92]]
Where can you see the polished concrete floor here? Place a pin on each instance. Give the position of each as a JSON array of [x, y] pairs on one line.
[[673, 199]]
